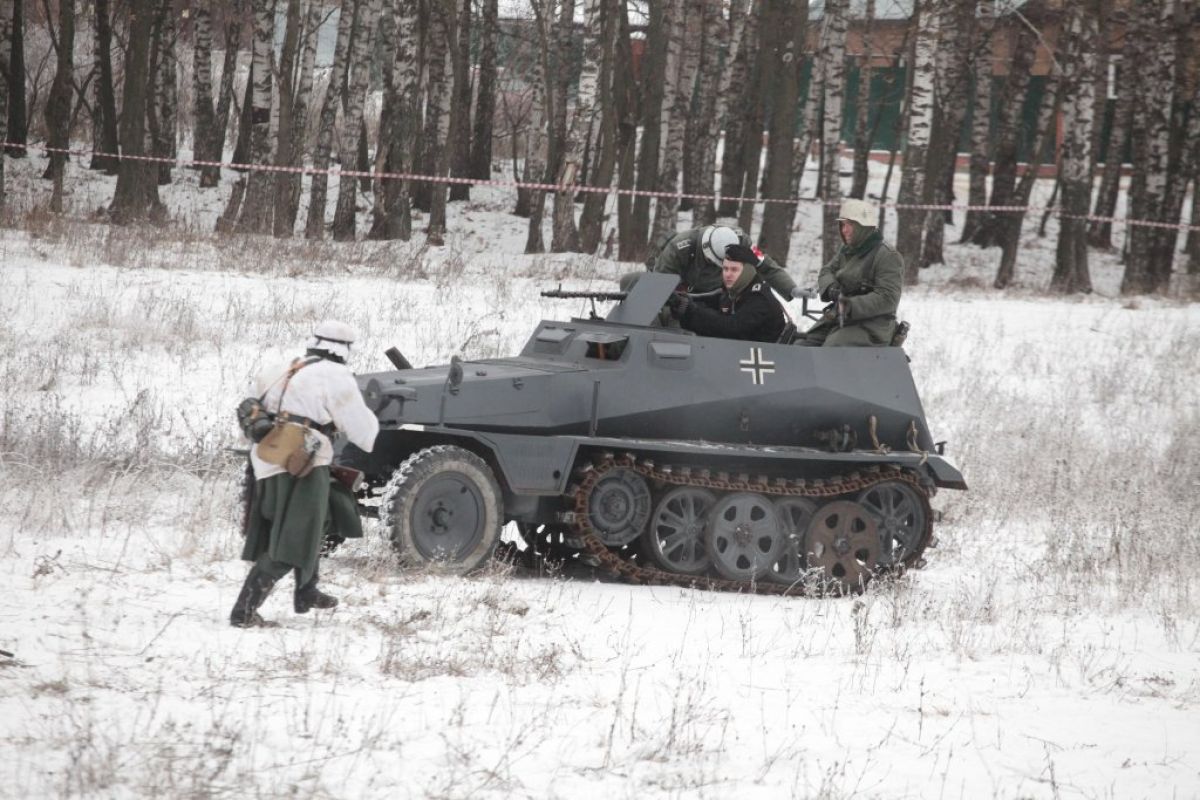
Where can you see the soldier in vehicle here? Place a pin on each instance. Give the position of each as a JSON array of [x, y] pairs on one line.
[[861, 285], [294, 501], [746, 309], [696, 256]]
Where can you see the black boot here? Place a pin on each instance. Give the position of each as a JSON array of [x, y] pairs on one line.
[[254, 591], [308, 596]]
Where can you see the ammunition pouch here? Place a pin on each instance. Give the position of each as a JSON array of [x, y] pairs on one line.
[[254, 419]]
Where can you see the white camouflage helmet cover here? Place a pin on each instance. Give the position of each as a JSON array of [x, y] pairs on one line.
[[715, 239], [333, 337], [860, 211]]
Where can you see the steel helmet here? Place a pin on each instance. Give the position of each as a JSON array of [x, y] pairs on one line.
[[715, 239], [333, 337], [860, 211]]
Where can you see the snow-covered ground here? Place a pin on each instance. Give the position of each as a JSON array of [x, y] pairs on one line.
[[1050, 649]]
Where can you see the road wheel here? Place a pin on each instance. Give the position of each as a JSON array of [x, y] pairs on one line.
[[442, 510]]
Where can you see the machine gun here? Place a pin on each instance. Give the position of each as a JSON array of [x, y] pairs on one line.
[[565, 294]]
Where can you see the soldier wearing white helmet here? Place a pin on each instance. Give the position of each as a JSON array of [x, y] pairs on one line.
[[696, 257], [861, 284], [295, 501]]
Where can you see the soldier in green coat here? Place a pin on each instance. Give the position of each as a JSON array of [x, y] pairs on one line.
[[861, 285], [696, 257]]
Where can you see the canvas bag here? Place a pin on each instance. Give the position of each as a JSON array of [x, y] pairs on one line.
[[288, 445]]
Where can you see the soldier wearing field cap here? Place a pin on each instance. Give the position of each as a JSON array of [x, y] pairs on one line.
[[861, 284]]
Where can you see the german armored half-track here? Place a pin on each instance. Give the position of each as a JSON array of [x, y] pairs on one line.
[[660, 455]]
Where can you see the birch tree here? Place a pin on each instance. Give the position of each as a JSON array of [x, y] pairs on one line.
[[862, 123], [1075, 176], [911, 221], [393, 210], [202, 100], [459, 137], [653, 92], [295, 89], [256, 209], [1100, 231], [58, 104], [18, 123], [6, 12], [745, 116], [214, 145], [437, 121], [608, 140], [565, 236], [539, 122], [834, 92], [681, 82], [314, 227], [356, 90], [163, 107], [727, 34], [1147, 266], [981, 117]]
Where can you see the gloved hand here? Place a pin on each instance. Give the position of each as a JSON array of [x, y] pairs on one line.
[[744, 254], [832, 292], [679, 303], [800, 292]]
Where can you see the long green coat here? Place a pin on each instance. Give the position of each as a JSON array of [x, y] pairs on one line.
[[682, 256], [290, 517], [870, 275]]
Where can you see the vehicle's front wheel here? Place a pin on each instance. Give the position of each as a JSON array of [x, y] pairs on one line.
[[442, 510]]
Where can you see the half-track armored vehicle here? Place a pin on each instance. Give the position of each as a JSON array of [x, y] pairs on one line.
[[660, 455]]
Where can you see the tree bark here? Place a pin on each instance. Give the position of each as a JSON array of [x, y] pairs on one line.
[[1100, 231], [539, 122], [594, 204], [460, 105], [862, 121], [784, 30], [1004, 162], [106, 102], [202, 101], [58, 103], [165, 94], [6, 11], [393, 216], [625, 92], [437, 122], [714, 112], [214, 147], [834, 92], [358, 72], [746, 116], [485, 95], [1075, 177], [981, 111], [295, 87], [18, 123], [681, 84], [564, 235], [634, 240], [257, 206], [1145, 271], [136, 195], [314, 227], [911, 221]]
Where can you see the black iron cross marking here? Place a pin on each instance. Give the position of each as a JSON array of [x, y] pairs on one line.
[[757, 366]]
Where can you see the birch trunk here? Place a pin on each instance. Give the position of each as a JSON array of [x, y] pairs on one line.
[[713, 113], [539, 121], [834, 93], [314, 226], [106, 102], [981, 111], [1100, 232], [459, 142], [485, 95], [437, 122], [256, 207], [564, 235], [6, 12], [784, 25], [562, 73], [58, 103], [593, 214], [911, 221], [1145, 271], [297, 61], [202, 100], [625, 93], [363, 38], [1075, 177], [165, 92], [681, 83], [393, 216]]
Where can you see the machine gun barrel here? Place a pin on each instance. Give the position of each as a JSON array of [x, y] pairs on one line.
[[564, 294]]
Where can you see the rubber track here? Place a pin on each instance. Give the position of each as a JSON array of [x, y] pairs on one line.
[[836, 486]]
